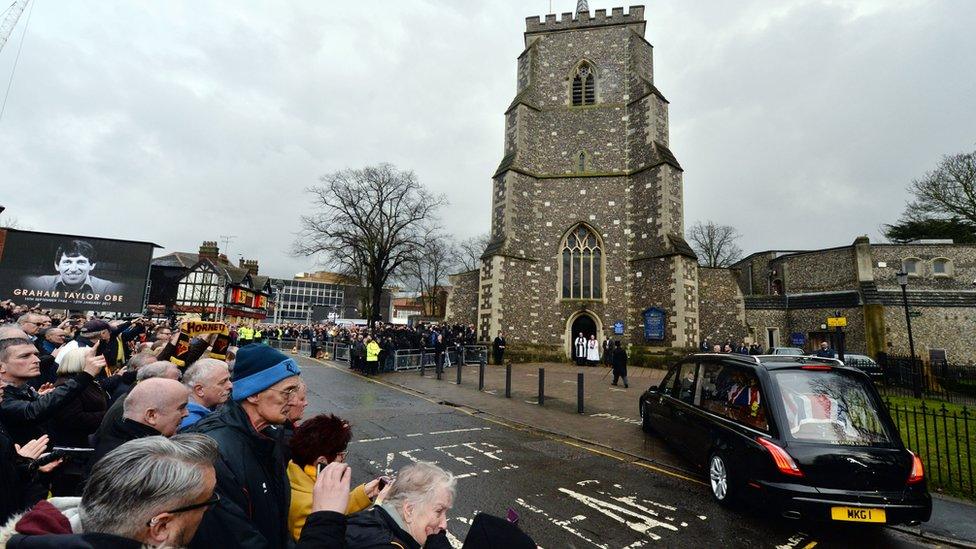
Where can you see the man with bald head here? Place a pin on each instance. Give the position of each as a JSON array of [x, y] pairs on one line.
[[153, 407], [158, 369]]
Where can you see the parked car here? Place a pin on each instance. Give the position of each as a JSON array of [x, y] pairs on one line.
[[864, 363], [806, 436], [789, 351]]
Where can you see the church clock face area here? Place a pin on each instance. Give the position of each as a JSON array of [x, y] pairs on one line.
[[587, 217]]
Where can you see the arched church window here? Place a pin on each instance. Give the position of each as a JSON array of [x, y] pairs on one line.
[[581, 162], [582, 265], [584, 85]]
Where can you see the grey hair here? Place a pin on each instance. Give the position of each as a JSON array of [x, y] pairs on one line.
[[139, 360], [73, 361], [7, 343], [155, 369], [24, 318], [142, 478], [5, 330], [418, 483], [199, 370]]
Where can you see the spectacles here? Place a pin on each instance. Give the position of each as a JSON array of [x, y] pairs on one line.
[[214, 499], [289, 393]]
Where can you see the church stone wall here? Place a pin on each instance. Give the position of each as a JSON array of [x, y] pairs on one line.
[[723, 315], [462, 302], [949, 328], [962, 266], [826, 271]]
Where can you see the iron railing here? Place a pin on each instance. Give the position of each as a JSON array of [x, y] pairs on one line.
[[944, 438]]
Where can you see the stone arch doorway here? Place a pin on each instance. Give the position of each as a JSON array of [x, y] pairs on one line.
[[582, 321]]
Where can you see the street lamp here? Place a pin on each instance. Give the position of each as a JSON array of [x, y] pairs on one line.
[[279, 287], [902, 278]]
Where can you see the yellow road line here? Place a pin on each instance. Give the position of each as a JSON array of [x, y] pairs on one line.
[[810, 545], [523, 428]]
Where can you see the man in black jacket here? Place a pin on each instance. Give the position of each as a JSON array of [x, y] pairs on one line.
[[153, 407], [23, 410], [251, 472]]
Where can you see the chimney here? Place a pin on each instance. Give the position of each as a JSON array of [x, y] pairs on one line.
[[209, 250], [250, 264]]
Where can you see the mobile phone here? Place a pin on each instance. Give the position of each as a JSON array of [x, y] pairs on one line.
[[382, 484], [318, 468]]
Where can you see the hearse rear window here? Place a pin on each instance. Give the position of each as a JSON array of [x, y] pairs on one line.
[[830, 407], [733, 393]]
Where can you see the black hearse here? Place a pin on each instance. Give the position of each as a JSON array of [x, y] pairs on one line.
[[806, 436]]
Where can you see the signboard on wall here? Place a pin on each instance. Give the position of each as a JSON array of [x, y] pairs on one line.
[[73, 272], [654, 324], [798, 339], [618, 328]]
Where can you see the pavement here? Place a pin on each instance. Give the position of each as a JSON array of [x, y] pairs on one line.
[[611, 420], [570, 493]]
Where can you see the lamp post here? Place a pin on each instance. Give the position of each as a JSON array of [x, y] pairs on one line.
[[279, 287], [902, 278]]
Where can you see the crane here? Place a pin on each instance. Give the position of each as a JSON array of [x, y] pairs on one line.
[[14, 12]]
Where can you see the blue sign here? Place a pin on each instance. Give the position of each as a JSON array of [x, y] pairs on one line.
[[618, 328], [654, 324], [798, 339]]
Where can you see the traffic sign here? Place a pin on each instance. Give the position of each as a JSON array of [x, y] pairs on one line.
[[837, 321]]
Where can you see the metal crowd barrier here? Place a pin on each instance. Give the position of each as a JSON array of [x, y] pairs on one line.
[[400, 360]]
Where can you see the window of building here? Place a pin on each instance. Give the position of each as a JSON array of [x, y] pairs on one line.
[[584, 85], [582, 265], [910, 266], [941, 267], [581, 162]]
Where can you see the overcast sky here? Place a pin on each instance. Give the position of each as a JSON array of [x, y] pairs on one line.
[[800, 122]]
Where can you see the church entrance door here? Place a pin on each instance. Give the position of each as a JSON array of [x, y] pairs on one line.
[[584, 323]]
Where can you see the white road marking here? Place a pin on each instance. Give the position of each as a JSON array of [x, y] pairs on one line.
[[605, 415], [643, 524], [459, 430], [375, 439], [564, 524]]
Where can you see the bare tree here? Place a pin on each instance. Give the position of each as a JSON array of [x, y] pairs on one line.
[[715, 244], [368, 223], [427, 272], [948, 191], [470, 250]]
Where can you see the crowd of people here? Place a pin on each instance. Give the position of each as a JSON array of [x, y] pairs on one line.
[[109, 440]]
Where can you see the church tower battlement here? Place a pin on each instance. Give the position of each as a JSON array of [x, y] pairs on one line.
[[587, 209]]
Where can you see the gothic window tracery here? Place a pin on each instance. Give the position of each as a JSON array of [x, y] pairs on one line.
[[582, 265], [584, 85]]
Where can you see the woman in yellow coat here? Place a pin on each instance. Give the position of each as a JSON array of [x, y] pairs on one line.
[[321, 440]]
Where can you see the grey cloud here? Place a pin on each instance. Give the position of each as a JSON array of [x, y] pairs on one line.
[[800, 122]]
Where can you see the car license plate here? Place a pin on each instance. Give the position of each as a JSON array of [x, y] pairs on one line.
[[857, 514]]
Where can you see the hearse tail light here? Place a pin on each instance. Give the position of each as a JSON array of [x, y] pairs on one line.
[[817, 367], [918, 471], [783, 461]]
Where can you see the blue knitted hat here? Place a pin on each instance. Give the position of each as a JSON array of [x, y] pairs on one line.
[[258, 367]]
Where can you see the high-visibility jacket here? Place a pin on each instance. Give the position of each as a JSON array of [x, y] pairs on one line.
[[372, 351]]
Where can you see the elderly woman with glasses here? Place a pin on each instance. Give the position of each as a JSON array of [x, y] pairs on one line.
[[73, 423], [413, 514], [318, 441]]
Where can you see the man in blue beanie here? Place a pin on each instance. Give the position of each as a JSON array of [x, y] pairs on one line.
[[251, 473]]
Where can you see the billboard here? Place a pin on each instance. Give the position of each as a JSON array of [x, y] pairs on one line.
[[73, 272]]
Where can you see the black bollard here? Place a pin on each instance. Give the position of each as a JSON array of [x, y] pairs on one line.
[[459, 372], [579, 393], [508, 380], [481, 375], [422, 368], [542, 386]]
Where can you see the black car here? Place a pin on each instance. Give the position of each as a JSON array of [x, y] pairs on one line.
[[806, 436]]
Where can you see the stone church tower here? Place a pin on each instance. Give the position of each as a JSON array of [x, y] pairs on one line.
[[587, 215]]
